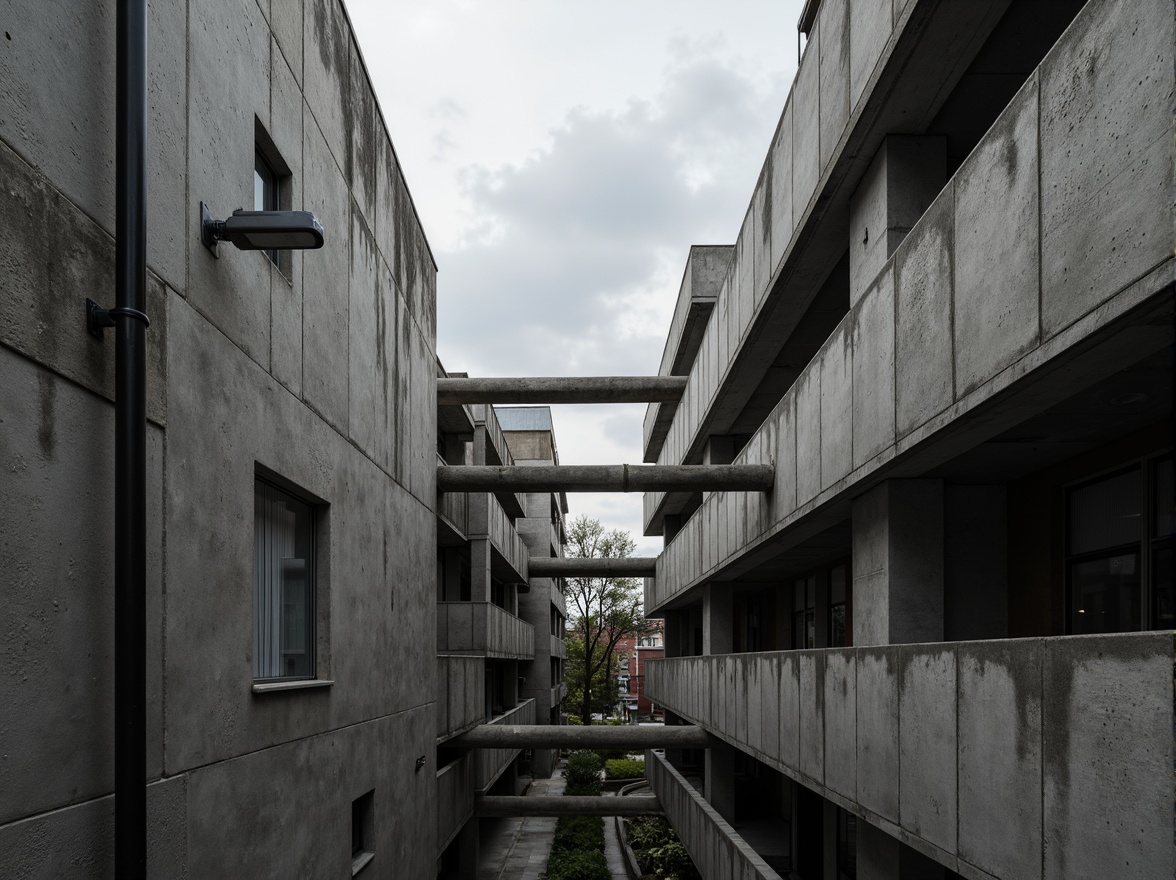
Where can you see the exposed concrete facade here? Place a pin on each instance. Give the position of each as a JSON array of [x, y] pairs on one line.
[[948, 326]]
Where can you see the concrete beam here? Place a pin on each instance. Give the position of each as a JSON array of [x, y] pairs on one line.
[[607, 478], [567, 805], [589, 389], [575, 736], [634, 566]]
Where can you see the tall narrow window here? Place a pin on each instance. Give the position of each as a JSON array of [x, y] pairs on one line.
[[838, 617], [804, 602], [283, 585], [266, 192]]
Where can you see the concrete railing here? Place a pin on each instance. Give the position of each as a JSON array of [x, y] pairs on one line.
[[986, 756], [559, 648], [491, 762], [454, 507], [461, 701], [715, 847], [483, 629], [488, 520], [455, 799]]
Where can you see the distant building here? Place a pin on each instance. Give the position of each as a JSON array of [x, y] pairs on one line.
[[942, 645], [632, 655]]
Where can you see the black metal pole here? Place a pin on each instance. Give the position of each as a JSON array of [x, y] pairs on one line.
[[130, 442]]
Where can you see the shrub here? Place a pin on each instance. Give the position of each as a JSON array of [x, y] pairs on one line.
[[624, 768], [583, 766], [579, 832], [575, 719], [648, 832], [577, 865], [670, 860]]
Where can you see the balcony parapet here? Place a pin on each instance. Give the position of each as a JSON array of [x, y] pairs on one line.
[[488, 519], [461, 701], [484, 630], [455, 799], [713, 844], [985, 756], [559, 647], [491, 762]]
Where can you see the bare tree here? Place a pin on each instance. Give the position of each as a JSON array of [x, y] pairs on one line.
[[601, 611]]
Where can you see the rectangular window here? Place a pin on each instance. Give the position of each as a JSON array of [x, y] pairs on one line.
[[362, 832], [804, 605], [283, 585], [838, 618], [266, 191], [1119, 551]]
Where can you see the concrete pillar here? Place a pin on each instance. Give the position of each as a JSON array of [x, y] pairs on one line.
[[451, 588], [717, 623], [720, 780], [975, 549], [898, 563], [877, 853], [480, 441], [480, 570], [904, 177]]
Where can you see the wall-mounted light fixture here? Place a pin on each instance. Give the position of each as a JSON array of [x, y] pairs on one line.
[[261, 230]]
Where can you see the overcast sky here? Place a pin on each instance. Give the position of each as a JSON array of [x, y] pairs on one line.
[[563, 157]]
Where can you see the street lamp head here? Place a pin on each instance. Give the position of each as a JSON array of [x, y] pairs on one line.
[[261, 230]]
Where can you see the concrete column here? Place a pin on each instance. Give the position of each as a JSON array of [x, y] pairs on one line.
[[898, 563], [480, 570], [904, 177], [451, 589], [720, 780], [975, 548], [480, 441], [717, 623]]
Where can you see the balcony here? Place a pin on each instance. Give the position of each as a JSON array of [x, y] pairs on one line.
[[985, 756], [461, 701], [491, 762], [488, 520], [559, 647], [717, 850], [455, 799], [482, 629]]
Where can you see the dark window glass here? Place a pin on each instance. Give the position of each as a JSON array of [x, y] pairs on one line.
[[1105, 514], [846, 845], [1163, 599], [283, 584], [804, 592], [1105, 594], [837, 622], [265, 191], [1164, 524]]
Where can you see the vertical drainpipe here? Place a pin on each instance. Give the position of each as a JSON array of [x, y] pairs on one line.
[[130, 466]]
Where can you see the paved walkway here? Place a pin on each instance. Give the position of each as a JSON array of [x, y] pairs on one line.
[[517, 849]]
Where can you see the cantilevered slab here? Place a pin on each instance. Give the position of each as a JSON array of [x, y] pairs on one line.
[[633, 566], [607, 478], [575, 736], [559, 389], [567, 805]]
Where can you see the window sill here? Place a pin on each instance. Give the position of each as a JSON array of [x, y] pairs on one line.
[[361, 861], [269, 687]]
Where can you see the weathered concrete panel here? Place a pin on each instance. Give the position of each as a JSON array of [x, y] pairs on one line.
[[840, 699], [927, 743], [808, 435], [230, 72], [78, 842], [923, 289], [57, 448], [1000, 757], [790, 720], [763, 261], [806, 130], [327, 74], [1106, 93], [996, 247], [324, 284], [834, 50], [811, 665], [836, 361], [877, 730], [873, 371], [52, 256], [167, 147], [869, 29], [364, 128], [286, 20], [780, 201], [1107, 743], [783, 498]]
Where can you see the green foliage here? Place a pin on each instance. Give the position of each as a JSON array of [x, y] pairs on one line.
[[658, 850], [574, 719], [579, 832], [623, 768], [583, 773], [577, 864]]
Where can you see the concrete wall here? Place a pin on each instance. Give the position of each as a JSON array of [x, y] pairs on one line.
[[1033, 758], [321, 373], [461, 694], [715, 847], [945, 328], [487, 519]]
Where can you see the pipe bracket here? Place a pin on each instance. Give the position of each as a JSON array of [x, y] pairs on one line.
[[98, 318]]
